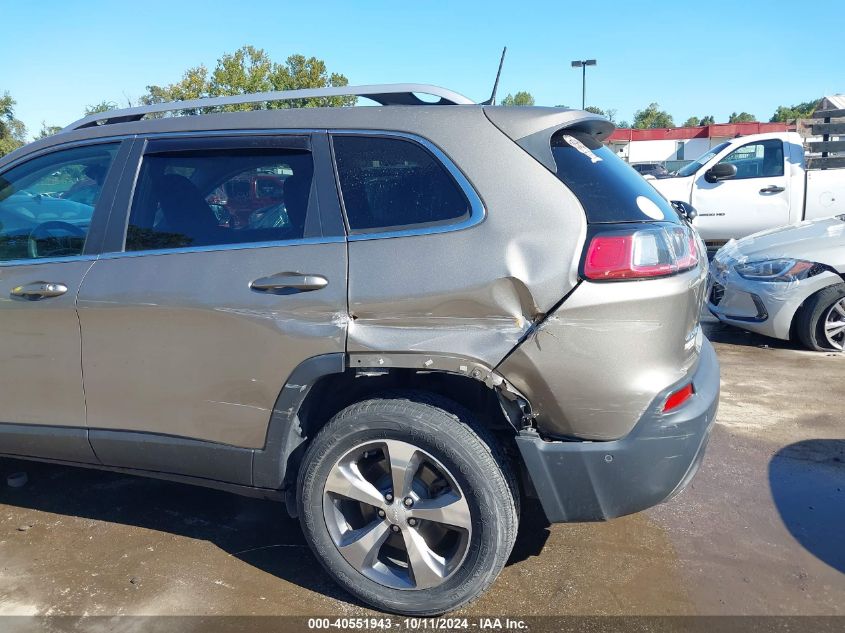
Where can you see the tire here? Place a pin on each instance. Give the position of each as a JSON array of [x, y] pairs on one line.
[[819, 311], [478, 488]]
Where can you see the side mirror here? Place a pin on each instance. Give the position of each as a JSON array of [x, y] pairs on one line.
[[685, 210], [720, 171]]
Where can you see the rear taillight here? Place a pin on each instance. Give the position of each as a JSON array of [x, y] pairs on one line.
[[677, 398], [640, 252]]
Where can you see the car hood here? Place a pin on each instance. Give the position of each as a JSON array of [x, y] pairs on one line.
[[673, 188], [820, 241]]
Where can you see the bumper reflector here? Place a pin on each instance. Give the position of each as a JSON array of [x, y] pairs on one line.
[[676, 399]]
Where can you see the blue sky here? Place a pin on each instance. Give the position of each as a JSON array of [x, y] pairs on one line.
[[693, 58]]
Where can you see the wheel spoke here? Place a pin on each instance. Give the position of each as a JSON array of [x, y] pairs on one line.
[[834, 328], [361, 547], [427, 568], [840, 307], [449, 509], [404, 463], [347, 481]]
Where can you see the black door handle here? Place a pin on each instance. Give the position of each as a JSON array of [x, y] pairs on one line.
[[772, 189], [288, 283]]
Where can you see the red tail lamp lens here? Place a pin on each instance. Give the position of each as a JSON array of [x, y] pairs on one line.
[[609, 257], [678, 398], [640, 253]]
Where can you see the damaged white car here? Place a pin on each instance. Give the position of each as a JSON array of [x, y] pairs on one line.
[[787, 283]]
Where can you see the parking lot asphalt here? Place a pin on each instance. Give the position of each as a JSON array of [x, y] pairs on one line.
[[758, 532]]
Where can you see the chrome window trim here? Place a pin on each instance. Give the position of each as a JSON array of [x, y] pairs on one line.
[[155, 135], [478, 211], [240, 246], [188, 134], [47, 260], [477, 214]]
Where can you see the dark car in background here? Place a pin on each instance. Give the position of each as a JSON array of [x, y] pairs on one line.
[[651, 169]]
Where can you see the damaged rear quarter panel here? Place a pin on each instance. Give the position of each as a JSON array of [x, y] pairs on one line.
[[472, 292], [594, 365]]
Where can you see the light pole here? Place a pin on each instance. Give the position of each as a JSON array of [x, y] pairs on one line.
[[582, 64]]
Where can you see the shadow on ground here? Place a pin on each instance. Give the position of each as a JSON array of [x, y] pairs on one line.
[[255, 531], [807, 480]]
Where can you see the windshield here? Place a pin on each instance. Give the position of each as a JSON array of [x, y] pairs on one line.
[[689, 170]]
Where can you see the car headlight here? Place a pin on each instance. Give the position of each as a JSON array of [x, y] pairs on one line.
[[778, 269]]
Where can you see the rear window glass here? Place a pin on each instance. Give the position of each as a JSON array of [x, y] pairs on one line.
[[390, 183], [607, 187], [216, 197]]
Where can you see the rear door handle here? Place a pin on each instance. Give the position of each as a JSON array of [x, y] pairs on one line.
[[39, 290], [289, 283], [772, 189]]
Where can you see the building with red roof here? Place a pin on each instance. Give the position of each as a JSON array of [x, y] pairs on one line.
[[679, 145]]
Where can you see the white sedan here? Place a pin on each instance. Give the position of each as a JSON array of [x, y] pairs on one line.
[[785, 282]]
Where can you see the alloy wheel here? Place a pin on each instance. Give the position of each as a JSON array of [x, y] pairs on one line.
[[834, 325], [397, 515]]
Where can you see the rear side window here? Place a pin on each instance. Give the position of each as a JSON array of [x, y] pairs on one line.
[[392, 183], [607, 187], [46, 204], [214, 197]]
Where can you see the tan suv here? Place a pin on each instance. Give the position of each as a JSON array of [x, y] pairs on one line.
[[449, 307]]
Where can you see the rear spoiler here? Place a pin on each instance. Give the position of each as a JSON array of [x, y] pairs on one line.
[[532, 128]]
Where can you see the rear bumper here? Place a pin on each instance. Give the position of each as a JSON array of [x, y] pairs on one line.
[[591, 481]]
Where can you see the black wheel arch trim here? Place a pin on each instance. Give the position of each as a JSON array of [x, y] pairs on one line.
[[284, 431], [269, 465]]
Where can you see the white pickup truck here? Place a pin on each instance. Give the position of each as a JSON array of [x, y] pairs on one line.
[[752, 183]]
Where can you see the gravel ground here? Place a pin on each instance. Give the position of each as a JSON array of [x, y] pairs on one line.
[[758, 532]]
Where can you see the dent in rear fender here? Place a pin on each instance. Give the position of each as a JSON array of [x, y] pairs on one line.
[[592, 368], [473, 292]]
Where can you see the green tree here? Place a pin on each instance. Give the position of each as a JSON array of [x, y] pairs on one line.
[[249, 70], [610, 113], [693, 121], [12, 130], [103, 106], [193, 85], [652, 117], [788, 114], [624, 124], [521, 98], [708, 120], [48, 130], [742, 117]]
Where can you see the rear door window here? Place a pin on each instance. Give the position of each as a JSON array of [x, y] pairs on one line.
[[211, 197], [46, 204], [391, 184]]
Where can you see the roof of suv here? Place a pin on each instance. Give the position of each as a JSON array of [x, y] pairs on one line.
[[405, 112]]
